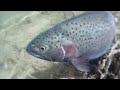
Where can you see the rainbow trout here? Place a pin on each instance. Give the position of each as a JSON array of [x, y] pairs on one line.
[[78, 40]]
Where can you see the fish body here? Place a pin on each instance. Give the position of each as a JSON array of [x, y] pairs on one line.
[[78, 40]]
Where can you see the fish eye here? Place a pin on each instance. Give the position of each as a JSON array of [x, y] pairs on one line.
[[44, 47]]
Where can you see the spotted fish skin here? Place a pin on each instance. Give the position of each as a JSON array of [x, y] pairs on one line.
[[77, 40]]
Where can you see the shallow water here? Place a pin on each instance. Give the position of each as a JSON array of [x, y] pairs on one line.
[[17, 29]]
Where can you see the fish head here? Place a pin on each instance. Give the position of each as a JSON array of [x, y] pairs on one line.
[[52, 48], [46, 47]]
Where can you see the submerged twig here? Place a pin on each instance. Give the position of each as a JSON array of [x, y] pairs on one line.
[[105, 64]]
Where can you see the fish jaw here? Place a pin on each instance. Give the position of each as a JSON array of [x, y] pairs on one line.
[[34, 51]]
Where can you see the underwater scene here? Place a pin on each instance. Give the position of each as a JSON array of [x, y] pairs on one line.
[[59, 45]]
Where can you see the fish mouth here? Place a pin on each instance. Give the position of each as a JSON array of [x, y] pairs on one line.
[[34, 53]]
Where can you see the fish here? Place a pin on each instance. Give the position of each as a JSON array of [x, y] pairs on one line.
[[78, 40]]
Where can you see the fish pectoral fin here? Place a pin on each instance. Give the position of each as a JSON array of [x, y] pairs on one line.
[[81, 64]]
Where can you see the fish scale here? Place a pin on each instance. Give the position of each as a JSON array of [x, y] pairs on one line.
[[78, 40]]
